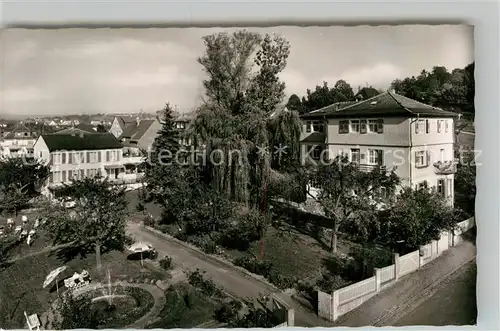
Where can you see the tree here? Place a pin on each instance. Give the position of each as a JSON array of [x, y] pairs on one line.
[[20, 181], [97, 221], [101, 128], [294, 103], [76, 313], [465, 182], [235, 113], [344, 89], [350, 196], [415, 218]]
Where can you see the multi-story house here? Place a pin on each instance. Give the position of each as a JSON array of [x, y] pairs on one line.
[[18, 142], [390, 131], [79, 155]]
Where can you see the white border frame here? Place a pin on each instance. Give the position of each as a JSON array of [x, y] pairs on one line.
[[484, 15]]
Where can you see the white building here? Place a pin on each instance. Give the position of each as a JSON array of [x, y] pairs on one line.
[[18, 143], [390, 131], [78, 155]]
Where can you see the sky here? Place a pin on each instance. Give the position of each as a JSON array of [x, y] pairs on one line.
[[84, 71]]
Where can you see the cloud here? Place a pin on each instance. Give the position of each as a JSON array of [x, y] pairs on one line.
[[27, 94], [378, 75], [166, 75]]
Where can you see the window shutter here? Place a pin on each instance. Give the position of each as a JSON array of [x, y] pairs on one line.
[[380, 157], [362, 124], [107, 156], [428, 154], [446, 125], [417, 124], [82, 157], [308, 126], [98, 156], [70, 158], [427, 126], [88, 157], [439, 126], [380, 126], [341, 126], [51, 159]]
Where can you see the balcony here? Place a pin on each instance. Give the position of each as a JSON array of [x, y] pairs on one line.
[[445, 168], [370, 167]]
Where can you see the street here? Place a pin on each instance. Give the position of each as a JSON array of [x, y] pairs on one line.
[[230, 279], [454, 303], [412, 293]]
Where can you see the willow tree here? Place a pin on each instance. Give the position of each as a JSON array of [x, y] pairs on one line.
[[242, 90]]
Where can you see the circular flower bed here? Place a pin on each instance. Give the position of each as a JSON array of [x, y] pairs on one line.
[[122, 308]]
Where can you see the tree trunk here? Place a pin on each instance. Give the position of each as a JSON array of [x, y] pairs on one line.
[[334, 238], [98, 256]]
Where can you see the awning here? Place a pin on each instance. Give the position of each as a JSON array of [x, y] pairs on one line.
[[113, 166]]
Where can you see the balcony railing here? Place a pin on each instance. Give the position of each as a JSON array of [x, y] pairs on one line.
[[370, 167], [445, 168]]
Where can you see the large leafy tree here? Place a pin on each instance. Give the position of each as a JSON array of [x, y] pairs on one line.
[[415, 218], [76, 313], [465, 182], [322, 96], [20, 181], [242, 90], [349, 196], [452, 91], [97, 221]]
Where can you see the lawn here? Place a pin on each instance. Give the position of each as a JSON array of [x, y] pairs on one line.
[[21, 282], [186, 307]]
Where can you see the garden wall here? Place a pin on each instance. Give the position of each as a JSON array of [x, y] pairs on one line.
[[341, 301]]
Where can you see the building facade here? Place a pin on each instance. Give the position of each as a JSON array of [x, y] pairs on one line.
[[18, 143], [77, 156], [390, 131]]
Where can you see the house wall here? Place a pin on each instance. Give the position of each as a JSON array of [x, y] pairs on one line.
[[396, 133], [115, 129], [42, 154]]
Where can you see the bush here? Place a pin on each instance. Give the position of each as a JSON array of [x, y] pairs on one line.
[[149, 221], [205, 243], [259, 267], [207, 286], [280, 281], [226, 312], [166, 263], [330, 283]]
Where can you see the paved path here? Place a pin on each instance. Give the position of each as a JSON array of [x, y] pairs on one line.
[[454, 303], [234, 281], [392, 304]]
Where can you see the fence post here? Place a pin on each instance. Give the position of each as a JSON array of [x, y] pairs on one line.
[[378, 276], [395, 261], [420, 257], [335, 305], [290, 317], [435, 248]]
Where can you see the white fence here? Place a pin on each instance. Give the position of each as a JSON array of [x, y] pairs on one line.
[[341, 301]]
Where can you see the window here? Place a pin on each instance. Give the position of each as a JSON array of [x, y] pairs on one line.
[[427, 126], [56, 176], [440, 187], [355, 155], [315, 152], [440, 126], [343, 126], [63, 158], [372, 125], [446, 126], [308, 126], [91, 157], [317, 126], [70, 158], [420, 159], [422, 125], [40, 154], [441, 155], [449, 185], [423, 185], [63, 179], [362, 124], [375, 157], [354, 126]]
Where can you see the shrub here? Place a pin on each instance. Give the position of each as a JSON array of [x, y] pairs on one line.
[[226, 312], [205, 243], [259, 267], [280, 281], [207, 286], [149, 221], [166, 262], [330, 283]]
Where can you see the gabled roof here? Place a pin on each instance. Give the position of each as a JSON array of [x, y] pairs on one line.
[[86, 127], [334, 107], [135, 131], [388, 104], [20, 128], [82, 141], [75, 130]]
